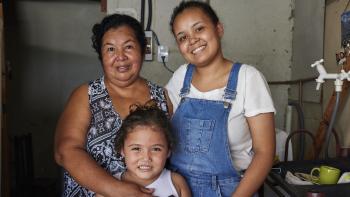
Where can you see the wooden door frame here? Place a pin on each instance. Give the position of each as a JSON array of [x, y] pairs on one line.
[[5, 182]]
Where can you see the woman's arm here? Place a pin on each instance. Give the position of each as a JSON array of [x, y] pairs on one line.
[[180, 184], [70, 152], [262, 130], [168, 101]]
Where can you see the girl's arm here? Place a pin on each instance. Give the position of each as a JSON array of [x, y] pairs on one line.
[[70, 152], [180, 184], [262, 130]]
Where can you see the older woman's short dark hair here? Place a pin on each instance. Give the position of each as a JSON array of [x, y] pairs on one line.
[[112, 22]]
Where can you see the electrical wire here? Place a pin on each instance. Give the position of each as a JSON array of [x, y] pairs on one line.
[[163, 57], [149, 19], [164, 64], [156, 37], [142, 20]]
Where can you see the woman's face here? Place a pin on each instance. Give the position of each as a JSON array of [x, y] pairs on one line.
[[197, 37], [121, 56], [145, 150]]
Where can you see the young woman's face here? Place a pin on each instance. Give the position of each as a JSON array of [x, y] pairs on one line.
[[145, 150], [197, 37], [121, 56]]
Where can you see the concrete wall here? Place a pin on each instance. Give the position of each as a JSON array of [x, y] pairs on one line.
[[51, 54], [258, 34], [307, 48]]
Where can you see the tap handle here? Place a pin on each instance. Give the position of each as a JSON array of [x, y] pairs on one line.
[[317, 63]]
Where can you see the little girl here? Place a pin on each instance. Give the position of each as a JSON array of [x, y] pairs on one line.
[[145, 141]]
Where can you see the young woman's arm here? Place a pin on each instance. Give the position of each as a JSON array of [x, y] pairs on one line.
[[262, 130], [70, 152], [180, 184]]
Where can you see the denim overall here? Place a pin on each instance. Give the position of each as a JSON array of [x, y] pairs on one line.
[[202, 154]]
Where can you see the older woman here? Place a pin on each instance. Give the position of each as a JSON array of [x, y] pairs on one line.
[[85, 134]]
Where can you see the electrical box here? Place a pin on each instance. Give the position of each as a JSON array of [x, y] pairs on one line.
[[149, 46], [163, 53]]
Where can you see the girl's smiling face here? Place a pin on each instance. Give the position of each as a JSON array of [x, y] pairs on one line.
[[197, 37], [145, 150]]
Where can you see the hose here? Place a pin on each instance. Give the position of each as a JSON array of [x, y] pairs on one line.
[[331, 124], [301, 127]]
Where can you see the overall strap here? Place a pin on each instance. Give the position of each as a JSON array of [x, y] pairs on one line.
[[231, 88], [187, 81]]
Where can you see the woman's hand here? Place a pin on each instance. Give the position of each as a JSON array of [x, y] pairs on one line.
[[128, 189], [132, 190]]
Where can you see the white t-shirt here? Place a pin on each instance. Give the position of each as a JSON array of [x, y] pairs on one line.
[[253, 97]]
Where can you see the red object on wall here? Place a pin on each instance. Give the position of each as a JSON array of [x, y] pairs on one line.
[[103, 5]]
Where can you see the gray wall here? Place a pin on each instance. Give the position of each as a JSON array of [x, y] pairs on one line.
[[260, 33], [51, 54], [307, 48]]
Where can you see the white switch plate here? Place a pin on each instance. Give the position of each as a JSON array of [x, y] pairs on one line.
[[149, 46]]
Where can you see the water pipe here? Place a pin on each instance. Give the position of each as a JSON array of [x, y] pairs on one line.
[[338, 77], [324, 75]]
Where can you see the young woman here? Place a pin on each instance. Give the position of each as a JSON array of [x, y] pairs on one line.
[[223, 111]]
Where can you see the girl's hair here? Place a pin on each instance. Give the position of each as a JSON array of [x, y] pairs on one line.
[[112, 22], [184, 5], [145, 115]]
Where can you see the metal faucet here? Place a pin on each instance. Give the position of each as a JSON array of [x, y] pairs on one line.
[[339, 77]]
